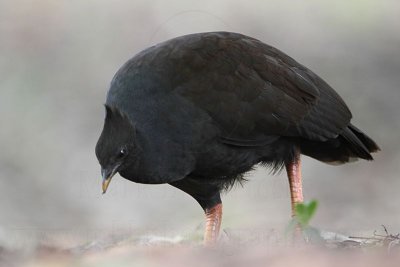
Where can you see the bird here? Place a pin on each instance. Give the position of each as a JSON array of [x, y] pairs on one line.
[[200, 111]]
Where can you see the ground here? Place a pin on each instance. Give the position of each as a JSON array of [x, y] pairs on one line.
[[237, 247]]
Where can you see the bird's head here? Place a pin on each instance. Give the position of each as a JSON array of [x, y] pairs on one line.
[[115, 147]]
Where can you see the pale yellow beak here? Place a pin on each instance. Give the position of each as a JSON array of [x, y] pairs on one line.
[[107, 176], [105, 184]]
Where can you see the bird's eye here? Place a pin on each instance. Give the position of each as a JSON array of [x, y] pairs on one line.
[[122, 153]]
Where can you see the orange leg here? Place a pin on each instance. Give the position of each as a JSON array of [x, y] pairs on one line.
[[293, 170], [213, 224]]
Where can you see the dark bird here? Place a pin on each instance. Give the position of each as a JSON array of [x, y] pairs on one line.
[[200, 110]]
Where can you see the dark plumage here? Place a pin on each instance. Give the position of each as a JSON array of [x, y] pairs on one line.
[[200, 110]]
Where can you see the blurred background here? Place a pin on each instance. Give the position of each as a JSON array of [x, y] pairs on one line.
[[57, 59]]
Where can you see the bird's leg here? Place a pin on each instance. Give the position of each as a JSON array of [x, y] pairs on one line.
[[213, 224], [293, 169], [208, 196]]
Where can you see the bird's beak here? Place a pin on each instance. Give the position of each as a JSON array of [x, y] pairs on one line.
[[107, 176]]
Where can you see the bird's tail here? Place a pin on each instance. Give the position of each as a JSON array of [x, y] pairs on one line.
[[350, 145], [359, 143]]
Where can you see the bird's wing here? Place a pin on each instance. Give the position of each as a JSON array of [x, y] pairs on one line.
[[256, 93]]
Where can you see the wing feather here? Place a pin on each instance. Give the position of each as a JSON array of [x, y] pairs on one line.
[[254, 91]]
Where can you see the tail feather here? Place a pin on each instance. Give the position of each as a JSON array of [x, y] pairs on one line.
[[348, 146], [368, 142], [359, 143]]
